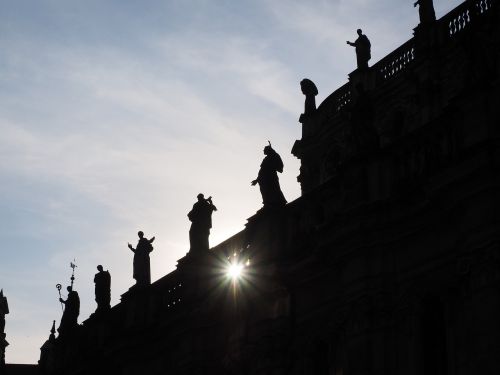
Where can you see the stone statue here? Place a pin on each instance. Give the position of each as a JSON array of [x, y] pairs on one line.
[[142, 266], [310, 91], [102, 281], [425, 11], [272, 196], [365, 135], [69, 320], [363, 49], [201, 222], [4, 310]]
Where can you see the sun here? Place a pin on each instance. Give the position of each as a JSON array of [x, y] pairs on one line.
[[234, 271]]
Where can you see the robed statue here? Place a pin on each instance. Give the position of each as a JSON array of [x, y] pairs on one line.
[[102, 280], [363, 49], [201, 222], [4, 310], [142, 266], [272, 196], [425, 11], [310, 91], [69, 320]]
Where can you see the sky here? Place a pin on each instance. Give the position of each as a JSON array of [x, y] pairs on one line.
[[115, 114]]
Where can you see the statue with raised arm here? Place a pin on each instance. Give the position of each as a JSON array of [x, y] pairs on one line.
[[363, 49], [102, 280], [201, 222], [310, 91], [425, 11], [272, 196], [69, 320], [142, 266]]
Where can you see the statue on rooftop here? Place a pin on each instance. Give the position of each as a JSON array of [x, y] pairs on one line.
[[272, 196], [142, 266], [201, 222], [69, 320], [4, 310], [102, 281], [425, 11], [363, 49], [310, 91]]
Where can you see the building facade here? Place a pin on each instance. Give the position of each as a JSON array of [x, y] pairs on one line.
[[389, 262]]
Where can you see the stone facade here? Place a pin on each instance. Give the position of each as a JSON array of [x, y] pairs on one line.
[[389, 262]]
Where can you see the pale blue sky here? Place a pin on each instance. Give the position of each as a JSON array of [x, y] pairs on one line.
[[116, 114]]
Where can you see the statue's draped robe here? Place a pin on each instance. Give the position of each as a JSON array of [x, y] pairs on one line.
[[268, 181], [4, 310], [69, 318], [142, 267], [426, 11], [102, 282], [363, 51], [201, 222]]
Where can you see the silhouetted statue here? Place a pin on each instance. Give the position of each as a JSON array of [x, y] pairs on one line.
[[142, 266], [4, 310], [102, 281], [201, 222], [268, 181], [365, 134], [425, 11], [363, 49], [310, 91], [69, 320]]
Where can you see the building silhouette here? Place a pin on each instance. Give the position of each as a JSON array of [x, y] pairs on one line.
[[388, 263]]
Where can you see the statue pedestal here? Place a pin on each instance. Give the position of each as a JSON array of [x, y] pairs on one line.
[[265, 234]]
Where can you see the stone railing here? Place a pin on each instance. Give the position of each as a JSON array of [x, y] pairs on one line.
[[463, 15], [173, 295], [337, 100], [395, 62]]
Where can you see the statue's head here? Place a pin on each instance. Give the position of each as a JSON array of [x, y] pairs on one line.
[[360, 32], [69, 289], [200, 197], [99, 268], [140, 234], [308, 87]]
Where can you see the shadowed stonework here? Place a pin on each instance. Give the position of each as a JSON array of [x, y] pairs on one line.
[[387, 264]]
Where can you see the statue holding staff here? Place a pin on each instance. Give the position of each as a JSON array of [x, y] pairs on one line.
[[69, 320]]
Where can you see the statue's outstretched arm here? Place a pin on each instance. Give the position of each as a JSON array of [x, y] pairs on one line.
[[151, 240], [131, 248]]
